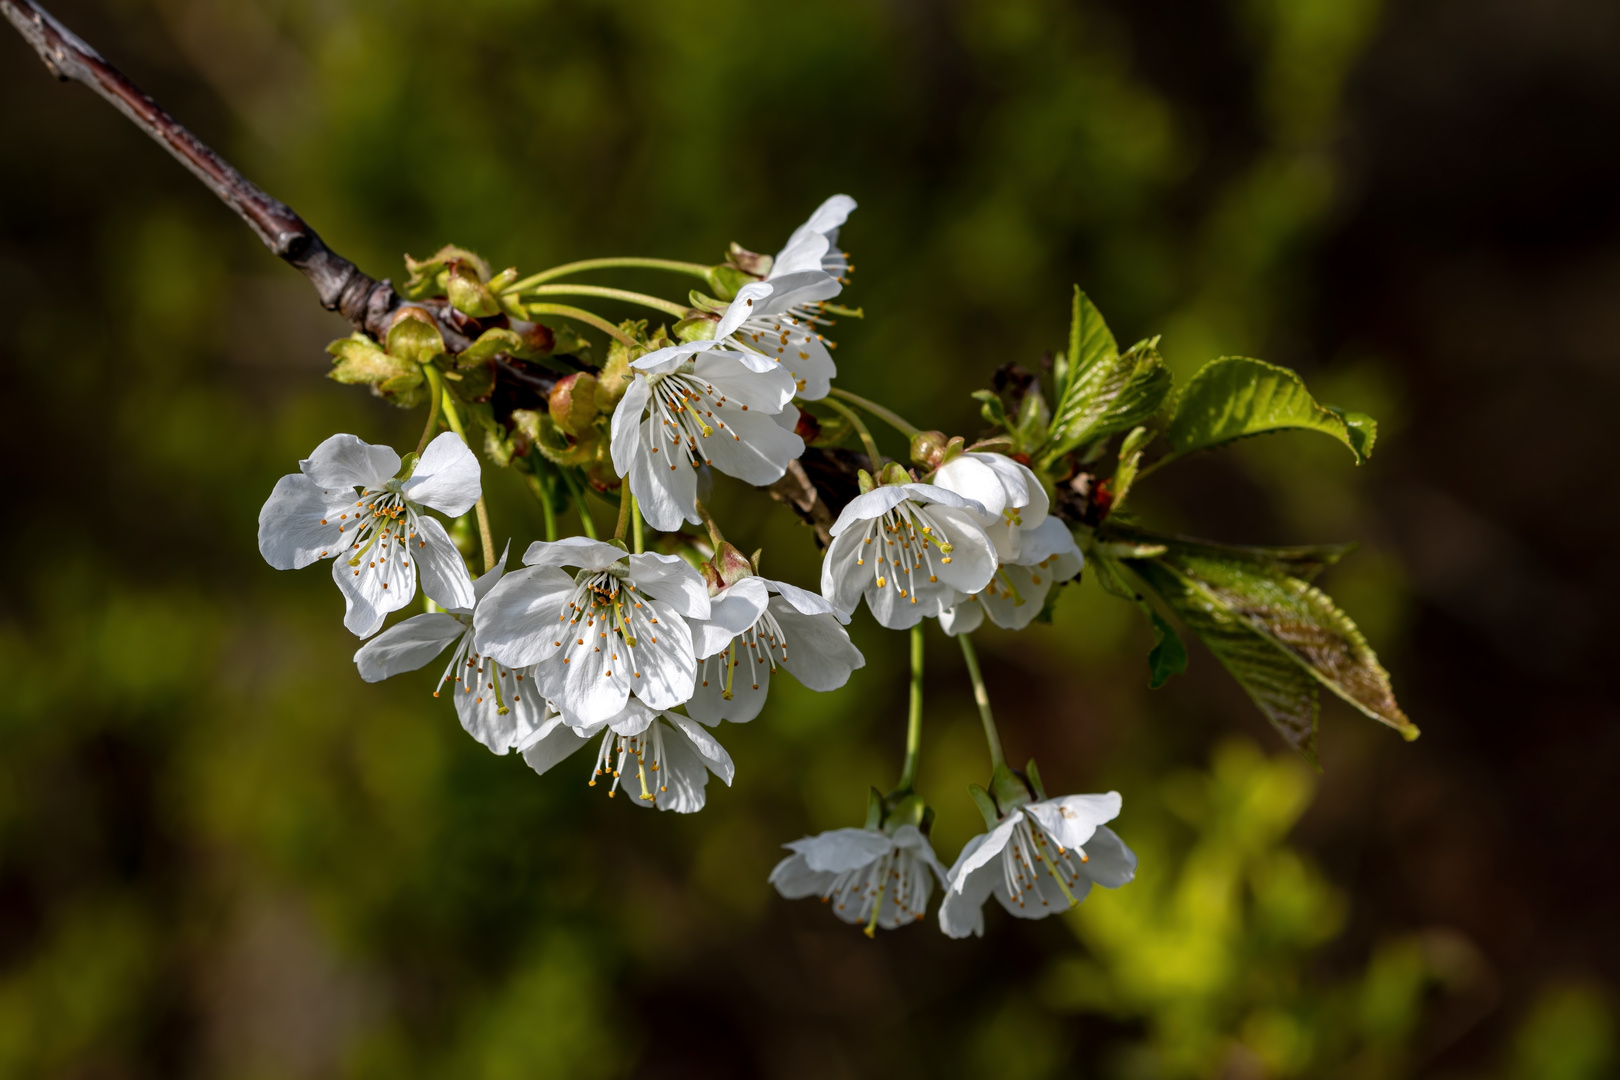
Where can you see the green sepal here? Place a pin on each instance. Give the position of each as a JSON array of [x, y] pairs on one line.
[[428, 275], [864, 479], [991, 408], [1010, 790], [895, 473], [1034, 776], [700, 328], [705, 302], [727, 280], [489, 344], [874, 809], [986, 805], [468, 293], [414, 337], [909, 809], [1235, 397]]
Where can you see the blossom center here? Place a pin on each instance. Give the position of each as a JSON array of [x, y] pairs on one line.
[[905, 541], [686, 407], [1031, 852], [644, 753], [603, 624]]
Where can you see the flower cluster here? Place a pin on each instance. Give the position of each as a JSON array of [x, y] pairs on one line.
[[644, 651]]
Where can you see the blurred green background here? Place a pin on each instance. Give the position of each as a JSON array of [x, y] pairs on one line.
[[222, 855]]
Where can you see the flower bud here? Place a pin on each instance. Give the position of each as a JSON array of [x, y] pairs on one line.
[[731, 564], [572, 404], [928, 449]]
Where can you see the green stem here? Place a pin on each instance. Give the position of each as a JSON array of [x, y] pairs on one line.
[[578, 498], [654, 302], [581, 315], [991, 736], [888, 416], [485, 538], [542, 493], [860, 429], [637, 533], [624, 510], [694, 269], [708, 523], [436, 399], [908, 772]]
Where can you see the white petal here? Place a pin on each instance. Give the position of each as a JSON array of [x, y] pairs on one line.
[[344, 461], [588, 685], [679, 782], [299, 522], [981, 854], [819, 652], [626, 441], [1012, 612], [714, 755], [745, 379], [708, 703], [633, 720], [753, 447], [961, 912], [664, 669], [1071, 819], [843, 577], [747, 296], [910, 838], [973, 559], [1024, 491], [580, 551], [408, 645], [555, 741], [446, 478], [1110, 863], [383, 580], [731, 611], [672, 580], [663, 480], [793, 878], [667, 359], [479, 707], [1050, 539], [967, 475], [803, 601], [963, 617], [867, 506], [843, 849], [518, 621], [443, 570], [490, 578], [810, 241]]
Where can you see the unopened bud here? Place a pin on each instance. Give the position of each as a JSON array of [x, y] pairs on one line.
[[732, 564], [928, 449], [572, 404]]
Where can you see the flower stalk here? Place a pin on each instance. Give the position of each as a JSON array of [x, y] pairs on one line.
[[981, 697], [888, 416], [860, 429], [908, 772], [568, 269]]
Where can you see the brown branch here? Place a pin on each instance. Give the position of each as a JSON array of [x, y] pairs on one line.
[[342, 286]]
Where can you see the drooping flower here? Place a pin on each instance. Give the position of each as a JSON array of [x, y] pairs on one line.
[[614, 630], [697, 404], [909, 549], [756, 624], [498, 706], [867, 875], [379, 538], [662, 758], [1040, 859]]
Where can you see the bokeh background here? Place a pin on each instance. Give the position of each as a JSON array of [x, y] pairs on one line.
[[222, 855]]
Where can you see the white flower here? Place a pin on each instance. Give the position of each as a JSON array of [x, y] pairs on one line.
[[695, 404], [784, 326], [868, 876], [1012, 499], [381, 539], [498, 706], [663, 758], [754, 625], [1041, 858], [909, 548], [617, 628]]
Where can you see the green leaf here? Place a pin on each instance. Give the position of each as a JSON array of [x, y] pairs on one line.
[[1091, 343], [1169, 656], [1115, 395], [1304, 562], [1291, 616], [1235, 397], [1284, 691], [991, 408], [360, 362]]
